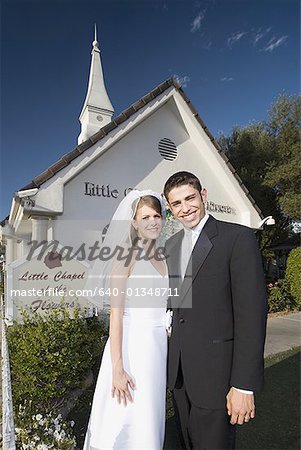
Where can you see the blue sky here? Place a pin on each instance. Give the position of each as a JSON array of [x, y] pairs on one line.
[[234, 57]]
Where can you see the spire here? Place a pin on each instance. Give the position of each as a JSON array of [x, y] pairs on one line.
[[97, 110]]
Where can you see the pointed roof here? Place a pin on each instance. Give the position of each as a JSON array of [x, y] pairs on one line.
[[97, 96], [125, 115]]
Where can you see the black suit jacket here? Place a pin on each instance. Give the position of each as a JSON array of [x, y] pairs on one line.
[[220, 338]]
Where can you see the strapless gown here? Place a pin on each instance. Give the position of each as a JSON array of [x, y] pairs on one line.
[[141, 424]]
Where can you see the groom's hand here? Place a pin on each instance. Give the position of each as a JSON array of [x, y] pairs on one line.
[[240, 406]]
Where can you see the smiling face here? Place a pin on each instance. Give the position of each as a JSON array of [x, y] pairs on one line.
[[147, 222], [187, 204]]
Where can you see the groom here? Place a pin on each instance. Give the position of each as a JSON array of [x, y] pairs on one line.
[[215, 361]]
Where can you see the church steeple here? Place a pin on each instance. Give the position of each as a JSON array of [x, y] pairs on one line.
[[97, 110]]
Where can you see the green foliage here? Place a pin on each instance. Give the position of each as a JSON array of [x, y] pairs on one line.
[[284, 171], [250, 151], [50, 356], [169, 405], [293, 271], [279, 296]]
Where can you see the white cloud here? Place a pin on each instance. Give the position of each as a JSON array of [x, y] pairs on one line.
[[207, 45], [259, 34], [226, 79], [197, 21], [183, 81], [235, 37], [274, 43]]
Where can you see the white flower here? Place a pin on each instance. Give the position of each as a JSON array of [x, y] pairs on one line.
[[72, 423], [57, 435], [39, 417]]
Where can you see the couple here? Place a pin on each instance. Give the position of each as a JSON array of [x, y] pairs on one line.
[[215, 354]]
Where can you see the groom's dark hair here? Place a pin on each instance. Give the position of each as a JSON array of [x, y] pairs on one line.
[[180, 179]]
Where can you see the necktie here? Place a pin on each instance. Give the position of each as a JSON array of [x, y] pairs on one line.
[[185, 251]]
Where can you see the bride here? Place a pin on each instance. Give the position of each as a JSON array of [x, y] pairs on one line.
[[128, 409]]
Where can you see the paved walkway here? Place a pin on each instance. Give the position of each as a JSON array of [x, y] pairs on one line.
[[283, 333]]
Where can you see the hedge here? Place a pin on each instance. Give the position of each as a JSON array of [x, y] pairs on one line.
[[293, 272], [51, 356], [280, 297]]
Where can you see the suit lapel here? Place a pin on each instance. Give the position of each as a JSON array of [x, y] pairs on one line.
[[200, 252]]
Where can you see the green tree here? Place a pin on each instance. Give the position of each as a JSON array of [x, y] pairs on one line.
[[250, 150], [284, 170]]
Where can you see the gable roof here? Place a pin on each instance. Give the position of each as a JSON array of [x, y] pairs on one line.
[[66, 159]]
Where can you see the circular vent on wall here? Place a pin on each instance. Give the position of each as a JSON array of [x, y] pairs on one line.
[[167, 149]]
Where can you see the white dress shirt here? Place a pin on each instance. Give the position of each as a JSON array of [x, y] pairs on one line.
[[190, 237]]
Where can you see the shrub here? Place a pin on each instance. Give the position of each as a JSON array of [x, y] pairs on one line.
[[293, 271], [279, 296], [50, 356]]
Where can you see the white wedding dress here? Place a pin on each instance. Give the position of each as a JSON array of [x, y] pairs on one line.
[[141, 424]]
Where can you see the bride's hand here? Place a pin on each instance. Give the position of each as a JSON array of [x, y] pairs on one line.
[[120, 386]]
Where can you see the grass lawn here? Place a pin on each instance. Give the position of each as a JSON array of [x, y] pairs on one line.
[[277, 425], [277, 422]]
